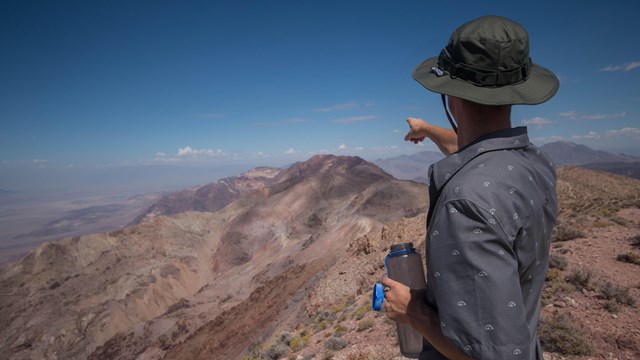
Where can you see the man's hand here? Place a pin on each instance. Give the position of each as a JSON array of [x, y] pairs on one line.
[[417, 130], [397, 297], [445, 139]]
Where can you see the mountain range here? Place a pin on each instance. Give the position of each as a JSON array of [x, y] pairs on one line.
[[164, 283], [219, 271]]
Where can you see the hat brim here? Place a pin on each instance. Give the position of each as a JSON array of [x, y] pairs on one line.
[[539, 87]]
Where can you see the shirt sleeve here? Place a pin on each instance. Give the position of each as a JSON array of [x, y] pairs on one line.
[[473, 273]]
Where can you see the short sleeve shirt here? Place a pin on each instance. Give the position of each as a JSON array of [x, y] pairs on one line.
[[492, 209]]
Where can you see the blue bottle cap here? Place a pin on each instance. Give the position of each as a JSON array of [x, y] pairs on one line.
[[377, 296]]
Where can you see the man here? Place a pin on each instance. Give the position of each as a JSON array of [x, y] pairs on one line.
[[492, 201]]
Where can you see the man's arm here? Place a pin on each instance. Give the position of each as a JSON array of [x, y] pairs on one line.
[[408, 306], [445, 139]]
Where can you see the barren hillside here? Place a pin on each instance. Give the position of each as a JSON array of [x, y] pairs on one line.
[[285, 272]]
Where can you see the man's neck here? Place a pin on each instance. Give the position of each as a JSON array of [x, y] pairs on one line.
[[475, 122]]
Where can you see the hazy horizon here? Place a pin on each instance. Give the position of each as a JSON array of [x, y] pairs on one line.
[[225, 83]]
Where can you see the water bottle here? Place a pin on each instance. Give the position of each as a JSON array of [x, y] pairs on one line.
[[403, 264]]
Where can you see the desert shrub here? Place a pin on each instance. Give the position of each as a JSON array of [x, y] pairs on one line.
[[300, 340], [340, 329], [554, 289], [558, 262], [553, 274], [619, 294], [327, 355], [325, 315], [560, 334], [362, 310], [285, 338], [362, 355], [338, 307], [600, 223], [565, 232], [335, 343], [277, 351], [320, 325], [611, 306], [581, 279], [619, 220], [297, 343], [364, 324], [630, 257], [323, 319], [635, 241]]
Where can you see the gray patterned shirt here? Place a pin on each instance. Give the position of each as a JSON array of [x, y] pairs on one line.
[[492, 209]]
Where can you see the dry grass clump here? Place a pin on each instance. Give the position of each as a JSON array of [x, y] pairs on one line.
[[631, 257], [581, 279], [558, 262], [560, 334], [364, 324], [555, 287], [323, 320], [281, 346], [617, 293], [635, 241], [362, 355], [362, 310], [565, 232], [335, 343]]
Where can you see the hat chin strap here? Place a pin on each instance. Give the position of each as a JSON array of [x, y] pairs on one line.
[[453, 124]]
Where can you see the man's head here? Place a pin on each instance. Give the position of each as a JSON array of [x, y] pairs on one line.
[[487, 62]]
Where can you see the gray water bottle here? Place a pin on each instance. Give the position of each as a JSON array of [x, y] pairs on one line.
[[404, 265]]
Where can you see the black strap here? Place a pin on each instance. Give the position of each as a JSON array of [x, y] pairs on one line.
[[484, 77], [446, 111]]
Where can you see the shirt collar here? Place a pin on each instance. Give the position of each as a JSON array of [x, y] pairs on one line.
[[444, 169]]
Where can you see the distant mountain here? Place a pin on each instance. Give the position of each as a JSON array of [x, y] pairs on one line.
[[206, 285], [212, 196], [410, 167], [415, 167], [568, 153]]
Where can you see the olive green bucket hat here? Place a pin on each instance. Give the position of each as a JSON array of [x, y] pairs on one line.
[[487, 61]]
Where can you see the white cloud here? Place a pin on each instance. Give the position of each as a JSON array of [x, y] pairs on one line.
[[39, 161], [189, 151], [337, 107], [604, 116], [570, 114], [574, 115], [160, 154], [624, 67], [396, 131], [342, 147], [359, 148], [589, 135], [547, 139], [538, 121], [353, 119], [291, 151], [633, 132]]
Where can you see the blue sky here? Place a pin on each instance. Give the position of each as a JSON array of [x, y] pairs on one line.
[[110, 83]]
